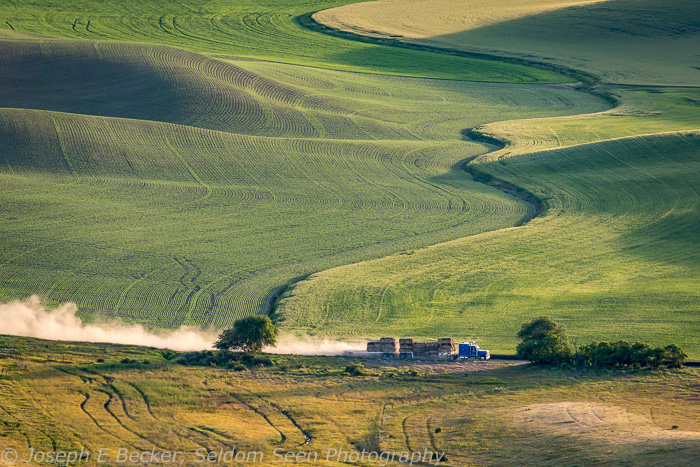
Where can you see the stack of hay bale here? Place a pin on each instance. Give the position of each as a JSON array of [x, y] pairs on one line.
[[384, 345], [447, 345], [388, 345], [432, 350], [419, 349], [406, 345]]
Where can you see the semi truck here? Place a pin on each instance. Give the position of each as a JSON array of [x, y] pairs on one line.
[[470, 350], [409, 348]]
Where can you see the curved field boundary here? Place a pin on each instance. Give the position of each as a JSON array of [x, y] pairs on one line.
[[580, 78], [618, 227], [596, 36], [390, 182], [250, 29], [588, 130]]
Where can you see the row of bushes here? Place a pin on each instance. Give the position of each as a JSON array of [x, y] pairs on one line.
[[222, 359], [545, 342], [623, 353]]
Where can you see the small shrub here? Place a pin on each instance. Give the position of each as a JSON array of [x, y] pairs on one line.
[[356, 369], [209, 358], [637, 355], [167, 354], [262, 361]]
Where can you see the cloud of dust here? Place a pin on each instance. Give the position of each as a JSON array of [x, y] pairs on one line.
[[309, 345], [31, 319]]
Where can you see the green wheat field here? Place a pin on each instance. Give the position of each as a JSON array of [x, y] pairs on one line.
[[422, 168], [173, 164]]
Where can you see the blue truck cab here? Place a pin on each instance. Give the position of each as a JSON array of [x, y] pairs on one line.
[[470, 350]]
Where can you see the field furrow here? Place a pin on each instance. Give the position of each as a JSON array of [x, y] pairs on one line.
[[155, 153]]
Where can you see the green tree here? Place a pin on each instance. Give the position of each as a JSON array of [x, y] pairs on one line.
[[544, 342], [621, 353], [674, 356], [249, 334]]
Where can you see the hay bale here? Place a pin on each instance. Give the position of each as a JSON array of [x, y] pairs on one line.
[[373, 346]]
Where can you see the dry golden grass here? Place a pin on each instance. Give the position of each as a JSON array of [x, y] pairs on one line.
[[423, 19], [55, 397]]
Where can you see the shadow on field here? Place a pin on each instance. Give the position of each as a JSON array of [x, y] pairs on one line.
[[630, 41]]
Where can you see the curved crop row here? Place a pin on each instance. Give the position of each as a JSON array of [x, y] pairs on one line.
[[248, 28], [112, 201], [248, 212], [614, 257]]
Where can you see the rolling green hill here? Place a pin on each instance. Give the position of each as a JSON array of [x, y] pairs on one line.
[[613, 258], [260, 29], [166, 187], [614, 255]]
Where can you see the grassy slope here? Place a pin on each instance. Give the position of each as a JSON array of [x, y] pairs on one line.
[[622, 41], [262, 29], [614, 257], [167, 224], [395, 117], [56, 397], [642, 111]]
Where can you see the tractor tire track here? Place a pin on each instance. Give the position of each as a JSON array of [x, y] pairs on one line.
[[265, 417], [407, 438], [286, 414], [20, 423], [94, 420], [294, 422], [595, 414], [118, 420], [431, 434], [203, 430], [122, 400], [145, 400], [566, 409], [144, 396]]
